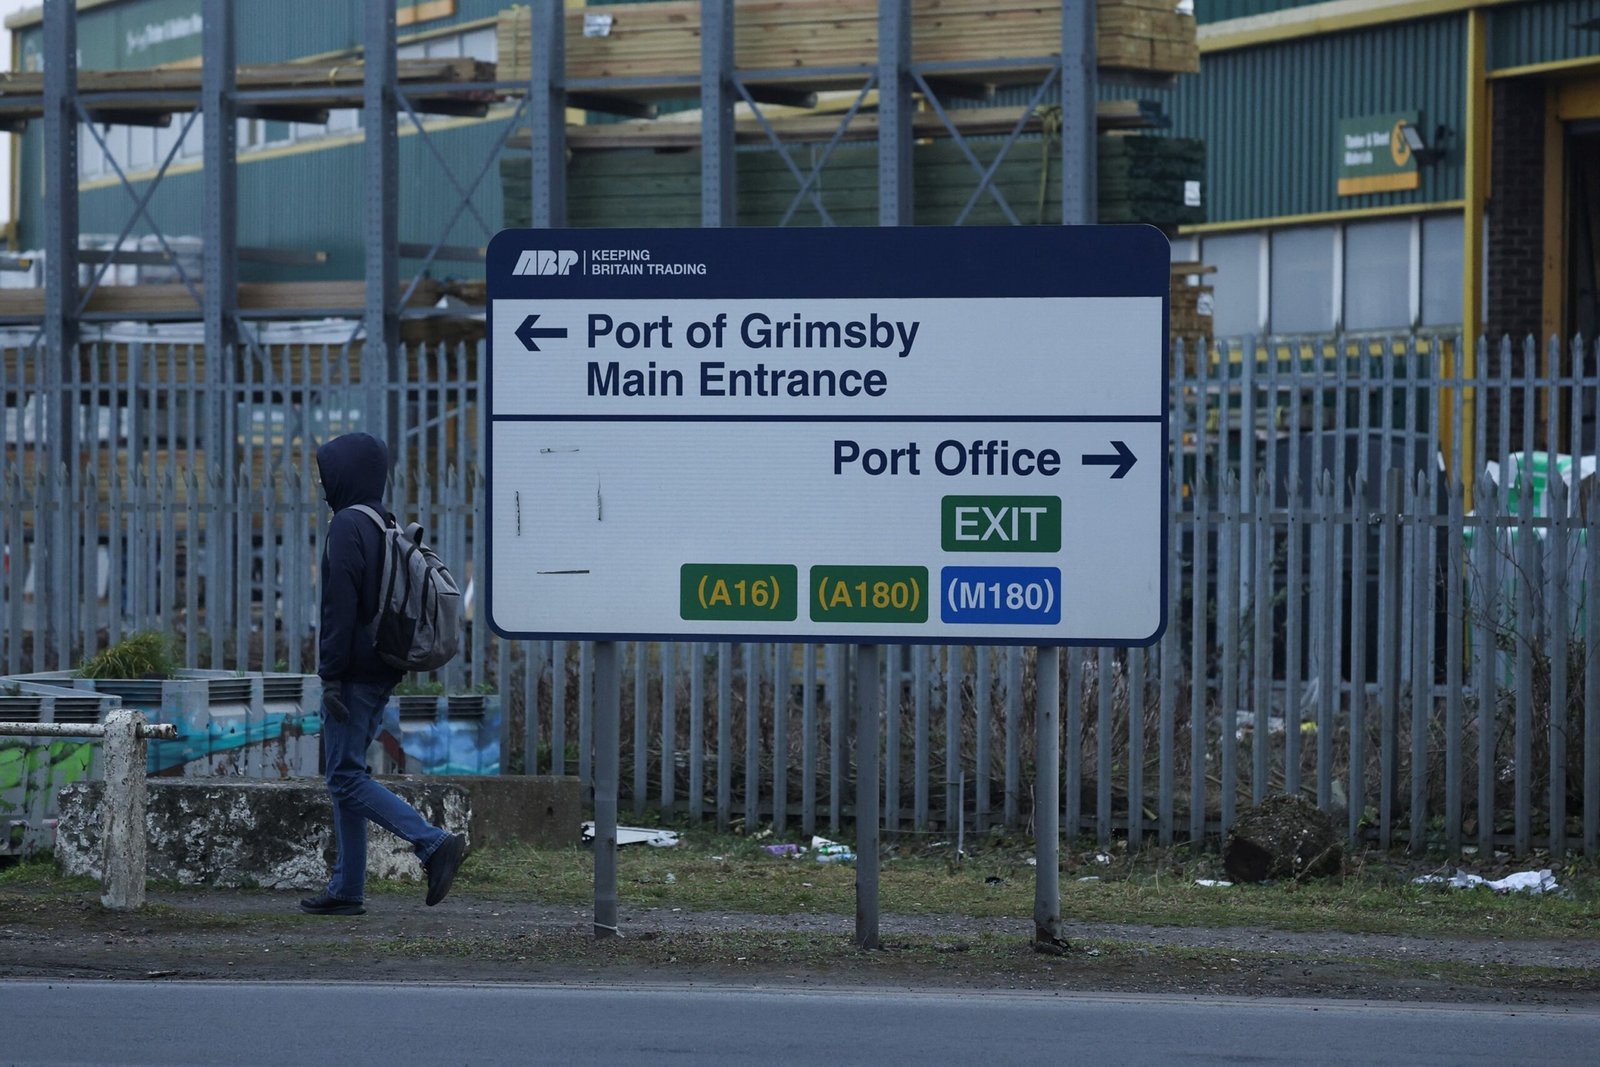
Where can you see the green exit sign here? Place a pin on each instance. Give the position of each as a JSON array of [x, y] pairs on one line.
[[1001, 524]]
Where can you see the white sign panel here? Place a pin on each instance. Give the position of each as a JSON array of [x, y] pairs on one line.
[[830, 435]]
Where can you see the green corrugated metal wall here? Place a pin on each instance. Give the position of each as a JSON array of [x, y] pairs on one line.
[[126, 35], [111, 37], [323, 186], [1524, 34], [1270, 115], [315, 201]]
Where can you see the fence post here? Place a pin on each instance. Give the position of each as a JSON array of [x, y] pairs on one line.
[[123, 834]]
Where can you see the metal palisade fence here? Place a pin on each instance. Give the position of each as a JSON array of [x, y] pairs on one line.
[[1382, 554]]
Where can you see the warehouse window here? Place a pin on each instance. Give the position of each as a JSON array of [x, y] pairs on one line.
[[194, 144], [1382, 274], [474, 44], [1377, 274], [141, 149], [1236, 283], [168, 136], [1441, 270], [276, 133], [480, 44], [1302, 280], [117, 141], [91, 161]]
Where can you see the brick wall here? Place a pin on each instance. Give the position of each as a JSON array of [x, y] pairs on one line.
[[1516, 210], [1515, 302]]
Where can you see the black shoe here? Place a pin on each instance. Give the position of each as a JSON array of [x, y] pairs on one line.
[[323, 904], [442, 866]]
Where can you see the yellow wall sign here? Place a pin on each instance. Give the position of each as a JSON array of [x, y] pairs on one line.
[[1373, 154]]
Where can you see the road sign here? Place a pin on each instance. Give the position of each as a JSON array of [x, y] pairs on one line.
[[852, 435]]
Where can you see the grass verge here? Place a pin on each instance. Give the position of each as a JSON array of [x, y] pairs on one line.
[[722, 873], [1375, 894]]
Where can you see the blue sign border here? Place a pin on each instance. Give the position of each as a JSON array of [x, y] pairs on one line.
[[840, 263]]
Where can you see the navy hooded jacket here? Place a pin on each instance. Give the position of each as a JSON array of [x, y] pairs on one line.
[[354, 470]]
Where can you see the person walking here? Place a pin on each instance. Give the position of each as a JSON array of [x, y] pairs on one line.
[[356, 684]]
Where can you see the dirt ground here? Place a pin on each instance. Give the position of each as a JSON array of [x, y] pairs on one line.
[[251, 935]]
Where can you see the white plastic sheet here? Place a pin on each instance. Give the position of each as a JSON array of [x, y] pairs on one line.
[[1541, 881]]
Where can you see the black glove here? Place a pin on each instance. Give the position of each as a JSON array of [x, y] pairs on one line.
[[332, 706]]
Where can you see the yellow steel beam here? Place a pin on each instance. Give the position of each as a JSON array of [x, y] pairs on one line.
[[1314, 19], [1575, 100], [1556, 67], [1347, 215]]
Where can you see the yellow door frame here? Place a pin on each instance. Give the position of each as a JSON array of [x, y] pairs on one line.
[[1476, 197], [1566, 100]]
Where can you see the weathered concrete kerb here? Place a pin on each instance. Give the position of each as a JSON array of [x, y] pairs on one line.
[[279, 834]]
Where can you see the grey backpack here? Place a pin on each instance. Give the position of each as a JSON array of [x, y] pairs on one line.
[[418, 625]]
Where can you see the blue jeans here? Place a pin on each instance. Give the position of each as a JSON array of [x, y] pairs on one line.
[[357, 798]]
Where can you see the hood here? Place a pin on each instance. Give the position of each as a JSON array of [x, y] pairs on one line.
[[354, 469]]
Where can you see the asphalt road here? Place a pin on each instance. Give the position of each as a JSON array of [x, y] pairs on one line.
[[305, 1024]]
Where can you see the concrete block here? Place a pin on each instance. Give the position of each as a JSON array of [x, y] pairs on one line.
[[545, 810], [279, 834], [242, 832]]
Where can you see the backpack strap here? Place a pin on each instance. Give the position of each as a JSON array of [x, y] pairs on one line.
[[414, 532], [386, 575], [369, 513]]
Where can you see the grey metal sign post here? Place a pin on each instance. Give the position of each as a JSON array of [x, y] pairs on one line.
[[607, 740], [869, 698]]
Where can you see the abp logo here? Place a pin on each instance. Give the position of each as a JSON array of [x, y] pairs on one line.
[[544, 261]]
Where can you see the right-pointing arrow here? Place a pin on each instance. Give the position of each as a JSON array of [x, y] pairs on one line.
[[1123, 459]]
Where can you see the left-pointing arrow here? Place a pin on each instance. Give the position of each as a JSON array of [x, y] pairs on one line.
[[529, 334]]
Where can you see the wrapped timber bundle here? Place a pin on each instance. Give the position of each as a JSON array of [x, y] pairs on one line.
[[1152, 179], [662, 40]]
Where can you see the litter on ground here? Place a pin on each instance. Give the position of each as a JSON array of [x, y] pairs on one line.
[[1521, 882], [832, 851], [636, 835]]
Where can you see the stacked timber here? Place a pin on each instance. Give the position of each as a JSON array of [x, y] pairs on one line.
[[20, 91], [177, 299], [660, 42], [670, 134], [1191, 307], [1146, 35], [1156, 180]]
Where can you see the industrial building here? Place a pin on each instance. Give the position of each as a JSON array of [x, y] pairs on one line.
[[1363, 158], [1366, 157]]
